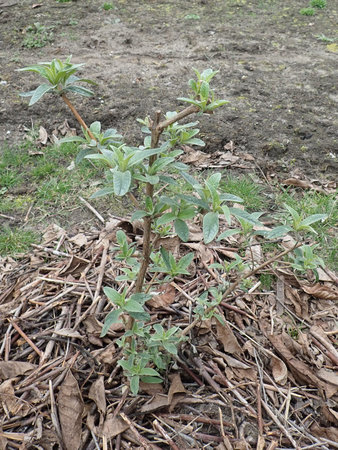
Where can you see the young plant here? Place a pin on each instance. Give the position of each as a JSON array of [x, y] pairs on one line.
[[147, 349], [60, 80]]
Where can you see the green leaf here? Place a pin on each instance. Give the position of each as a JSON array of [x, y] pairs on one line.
[[274, 233], [83, 153], [171, 348], [103, 192], [190, 100], [216, 104], [165, 255], [185, 261], [85, 92], [228, 233], [133, 306], [153, 380], [39, 92], [138, 215], [244, 215], [231, 198], [210, 226], [151, 372], [196, 141], [166, 218], [181, 229], [112, 294], [112, 317], [134, 384], [293, 212], [122, 181], [204, 90], [313, 218]]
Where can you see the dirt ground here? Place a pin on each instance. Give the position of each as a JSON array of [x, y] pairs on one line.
[[279, 77]]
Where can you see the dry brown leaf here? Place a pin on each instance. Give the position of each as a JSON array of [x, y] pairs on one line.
[[327, 433], [11, 369], [228, 339], [107, 355], [151, 388], [233, 362], [299, 369], [97, 394], [68, 332], [279, 371], [164, 298], [80, 240], [7, 396], [194, 157], [70, 406], [202, 250], [329, 376], [113, 426], [321, 291], [43, 136], [157, 402], [176, 387]]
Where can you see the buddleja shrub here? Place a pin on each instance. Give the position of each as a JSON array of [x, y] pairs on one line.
[[147, 349]]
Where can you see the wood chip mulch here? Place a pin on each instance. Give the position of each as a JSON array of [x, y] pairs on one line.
[[267, 379]]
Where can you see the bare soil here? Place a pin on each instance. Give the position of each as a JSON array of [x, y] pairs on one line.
[[279, 77]]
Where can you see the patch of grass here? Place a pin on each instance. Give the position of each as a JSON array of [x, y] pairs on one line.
[[14, 241], [307, 12], [248, 190], [9, 178], [309, 203], [44, 170], [318, 3]]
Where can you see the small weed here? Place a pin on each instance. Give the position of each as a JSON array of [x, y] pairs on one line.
[[107, 6], [37, 36], [64, 1], [307, 12], [249, 191], [318, 4], [192, 17], [316, 203], [16, 241], [73, 22], [266, 280], [323, 38]]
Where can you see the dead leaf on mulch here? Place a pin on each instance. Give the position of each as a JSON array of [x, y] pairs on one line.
[[176, 387], [279, 371], [165, 296], [97, 394], [228, 339], [327, 433], [299, 369], [323, 291], [11, 369], [70, 406]]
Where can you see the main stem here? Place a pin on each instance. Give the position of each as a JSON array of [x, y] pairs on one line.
[[77, 115], [156, 131]]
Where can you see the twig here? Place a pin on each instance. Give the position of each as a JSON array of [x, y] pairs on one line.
[[92, 209], [138, 436], [50, 250], [279, 424], [27, 339], [54, 415], [233, 286], [166, 436]]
